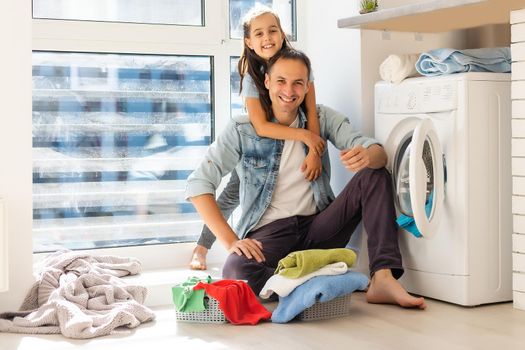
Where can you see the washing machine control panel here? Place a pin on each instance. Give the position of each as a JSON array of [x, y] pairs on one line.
[[421, 96]]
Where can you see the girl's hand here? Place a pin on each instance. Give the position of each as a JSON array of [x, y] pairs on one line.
[[311, 166], [314, 142], [355, 159]]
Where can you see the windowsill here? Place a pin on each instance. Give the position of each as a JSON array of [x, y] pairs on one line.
[[159, 282]]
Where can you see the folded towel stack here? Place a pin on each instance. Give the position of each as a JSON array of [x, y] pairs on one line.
[[320, 288], [396, 68], [305, 277], [283, 286], [447, 61], [300, 263]]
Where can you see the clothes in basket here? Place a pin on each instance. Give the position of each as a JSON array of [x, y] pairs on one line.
[[186, 299], [233, 299]]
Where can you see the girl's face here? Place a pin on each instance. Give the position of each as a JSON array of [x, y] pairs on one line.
[[266, 37]]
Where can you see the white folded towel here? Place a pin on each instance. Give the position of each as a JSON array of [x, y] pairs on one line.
[[395, 68], [283, 286]]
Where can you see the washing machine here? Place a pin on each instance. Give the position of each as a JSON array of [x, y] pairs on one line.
[[448, 140]]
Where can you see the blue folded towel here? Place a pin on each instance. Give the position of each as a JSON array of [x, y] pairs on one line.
[[320, 288], [408, 223], [447, 61]]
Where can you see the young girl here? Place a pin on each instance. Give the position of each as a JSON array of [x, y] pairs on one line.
[[263, 38]]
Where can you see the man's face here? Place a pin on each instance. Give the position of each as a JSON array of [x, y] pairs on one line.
[[287, 84]]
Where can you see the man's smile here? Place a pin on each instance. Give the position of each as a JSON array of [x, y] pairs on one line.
[[287, 99]]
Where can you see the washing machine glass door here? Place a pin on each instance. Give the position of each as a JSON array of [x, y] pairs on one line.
[[420, 178]]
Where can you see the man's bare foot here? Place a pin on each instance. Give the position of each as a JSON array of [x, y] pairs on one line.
[[198, 258], [385, 289]]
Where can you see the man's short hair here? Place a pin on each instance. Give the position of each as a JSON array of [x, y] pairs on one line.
[[290, 54]]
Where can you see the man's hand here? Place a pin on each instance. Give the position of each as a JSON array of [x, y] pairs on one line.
[[251, 248], [358, 158], [355, 159], [311, 166]]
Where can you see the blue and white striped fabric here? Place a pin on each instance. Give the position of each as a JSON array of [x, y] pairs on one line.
[[448, 61]]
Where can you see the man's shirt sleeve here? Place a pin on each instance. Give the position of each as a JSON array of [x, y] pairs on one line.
[[336, 128]]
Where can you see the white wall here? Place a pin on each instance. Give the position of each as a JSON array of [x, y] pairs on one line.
[[336, 61], [15, 145]]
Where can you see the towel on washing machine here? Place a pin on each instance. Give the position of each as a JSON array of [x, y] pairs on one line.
[[448, 61], [396, 68]]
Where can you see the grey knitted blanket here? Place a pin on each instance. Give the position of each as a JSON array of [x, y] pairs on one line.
[[80, 296]]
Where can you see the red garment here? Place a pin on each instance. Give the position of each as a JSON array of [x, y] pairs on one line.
[[237, 301]]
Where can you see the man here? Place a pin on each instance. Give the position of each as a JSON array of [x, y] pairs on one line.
[[281, 211]]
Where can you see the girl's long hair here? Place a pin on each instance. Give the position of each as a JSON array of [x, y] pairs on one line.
[[250, 63]]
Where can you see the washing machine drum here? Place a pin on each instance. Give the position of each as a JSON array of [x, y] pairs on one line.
[[418, 172]]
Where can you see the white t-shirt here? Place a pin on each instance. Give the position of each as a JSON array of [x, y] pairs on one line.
[[293, 194]]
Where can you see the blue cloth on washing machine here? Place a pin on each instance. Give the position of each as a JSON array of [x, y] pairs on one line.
[[319, 288], [448, 61], [407, 222]]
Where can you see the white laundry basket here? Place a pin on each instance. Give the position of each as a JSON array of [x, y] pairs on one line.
[[337, 307], [211, 315]]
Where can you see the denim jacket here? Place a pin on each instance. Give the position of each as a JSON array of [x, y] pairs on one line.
[[257, 162]]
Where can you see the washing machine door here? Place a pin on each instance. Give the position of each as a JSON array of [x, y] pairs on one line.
[[419, 177]]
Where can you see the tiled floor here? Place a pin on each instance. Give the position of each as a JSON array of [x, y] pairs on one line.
[[442, 326]]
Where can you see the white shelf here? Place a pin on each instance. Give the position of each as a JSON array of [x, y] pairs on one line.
[[436, 16]]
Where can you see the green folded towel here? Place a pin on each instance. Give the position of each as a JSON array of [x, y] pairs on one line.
[[188, 300], [300, 263]]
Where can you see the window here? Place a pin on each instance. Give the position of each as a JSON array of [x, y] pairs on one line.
[[122, 113], [114, 138], [235, 81], [285, 9], [182, 12]]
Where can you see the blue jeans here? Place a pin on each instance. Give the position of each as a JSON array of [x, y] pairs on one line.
[[228, 200]]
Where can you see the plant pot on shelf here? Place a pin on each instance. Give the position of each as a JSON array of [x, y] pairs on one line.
[[368, 6]]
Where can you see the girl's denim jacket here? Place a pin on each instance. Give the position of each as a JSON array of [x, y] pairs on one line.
[[257, 162]]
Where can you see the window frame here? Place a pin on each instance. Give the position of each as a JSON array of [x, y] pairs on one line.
[[120, 37], [203, 18]]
